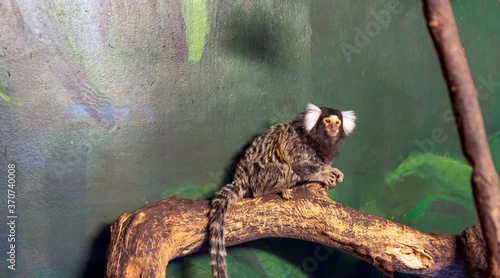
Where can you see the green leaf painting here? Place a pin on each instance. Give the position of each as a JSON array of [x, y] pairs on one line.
[[9, 99], [450, 175], [419, 209], [195, 14]]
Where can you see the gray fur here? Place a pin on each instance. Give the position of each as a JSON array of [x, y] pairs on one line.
[[276, 161]]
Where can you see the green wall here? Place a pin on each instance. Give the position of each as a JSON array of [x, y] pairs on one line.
[[106, 107]]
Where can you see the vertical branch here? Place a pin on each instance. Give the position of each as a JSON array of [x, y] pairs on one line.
[[463, 94]]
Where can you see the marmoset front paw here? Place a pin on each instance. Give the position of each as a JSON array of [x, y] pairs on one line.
[[331, 177]]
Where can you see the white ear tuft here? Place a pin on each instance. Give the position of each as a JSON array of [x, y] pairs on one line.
[[349, 121], [311, 116]]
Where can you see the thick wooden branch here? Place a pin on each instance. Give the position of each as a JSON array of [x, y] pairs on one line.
[[463, 94], [143, 242]]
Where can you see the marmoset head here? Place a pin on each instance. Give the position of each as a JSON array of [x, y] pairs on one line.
[[327, 121], [326, 127]]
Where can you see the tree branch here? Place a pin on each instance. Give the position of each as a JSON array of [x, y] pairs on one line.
[[143, 242], [463, 94]]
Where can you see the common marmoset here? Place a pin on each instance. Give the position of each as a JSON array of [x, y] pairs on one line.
[[277, 160]]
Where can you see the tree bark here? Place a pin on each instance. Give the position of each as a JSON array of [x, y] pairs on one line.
[[469, 120], [143, 242]]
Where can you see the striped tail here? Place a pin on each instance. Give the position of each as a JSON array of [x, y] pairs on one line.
[[218, 207]]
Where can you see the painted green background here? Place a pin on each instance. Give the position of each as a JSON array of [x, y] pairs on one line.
[[106, 107]]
